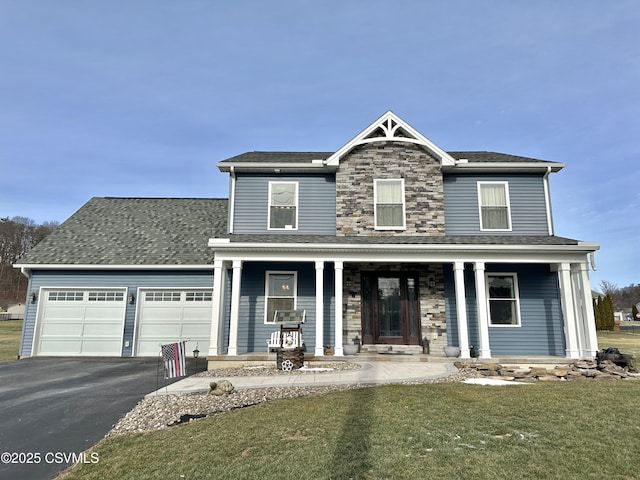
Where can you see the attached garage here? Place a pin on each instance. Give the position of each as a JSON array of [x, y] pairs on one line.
[[167, 316], [88, 322]]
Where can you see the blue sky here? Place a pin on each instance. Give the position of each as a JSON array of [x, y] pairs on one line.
[[142, 98]]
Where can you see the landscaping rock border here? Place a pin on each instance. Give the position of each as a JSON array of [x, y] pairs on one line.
[[579, 370]]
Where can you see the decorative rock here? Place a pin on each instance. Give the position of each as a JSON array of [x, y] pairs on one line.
[[521, 372], [538, 372], [585, 364], [579, 370], [550, 378], [494, 367], [223, 387]]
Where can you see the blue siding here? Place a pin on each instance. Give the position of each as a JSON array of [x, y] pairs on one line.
[[316, 204], [528, 207], [253, 332], [132, 280], [542, 329]]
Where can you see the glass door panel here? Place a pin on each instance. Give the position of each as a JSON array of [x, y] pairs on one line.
[[389, 307]]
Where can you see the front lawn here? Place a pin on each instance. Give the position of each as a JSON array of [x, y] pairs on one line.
[[569, 430], [626, 342], [10, 331]]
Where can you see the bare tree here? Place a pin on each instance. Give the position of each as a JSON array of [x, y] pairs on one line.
[[17, 236], [608, 288]]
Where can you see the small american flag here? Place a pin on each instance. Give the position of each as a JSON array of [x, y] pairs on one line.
[[173, 356]]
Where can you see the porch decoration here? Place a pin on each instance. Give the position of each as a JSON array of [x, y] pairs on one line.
[[288, 359], [290, 350], [352, 349], [451, 351]]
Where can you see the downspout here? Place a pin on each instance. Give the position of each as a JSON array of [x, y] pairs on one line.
[[232, 199], [547, 200], [27, 304]]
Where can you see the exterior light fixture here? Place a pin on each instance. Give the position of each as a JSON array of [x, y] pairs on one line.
[[33, 297], [196, 354], [130, 299]]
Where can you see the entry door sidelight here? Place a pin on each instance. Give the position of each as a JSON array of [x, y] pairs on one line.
[[390, 313]]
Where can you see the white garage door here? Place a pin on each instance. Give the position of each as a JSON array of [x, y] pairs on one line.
[[168, 316], [81, 322]]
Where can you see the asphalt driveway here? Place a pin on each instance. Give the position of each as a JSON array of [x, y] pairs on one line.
[[53, 409]]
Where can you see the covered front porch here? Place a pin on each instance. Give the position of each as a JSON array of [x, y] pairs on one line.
[[398, 306]]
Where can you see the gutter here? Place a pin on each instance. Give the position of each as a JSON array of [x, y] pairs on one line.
[[222, 244], [27, 267], [232, 199], [547, 200]]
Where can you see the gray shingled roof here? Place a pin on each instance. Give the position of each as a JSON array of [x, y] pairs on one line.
[[135, 231], [406, 239], [308, 157]]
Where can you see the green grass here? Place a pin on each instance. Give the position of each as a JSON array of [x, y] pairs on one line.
[[10, 331], [569, 430], [625, 342]]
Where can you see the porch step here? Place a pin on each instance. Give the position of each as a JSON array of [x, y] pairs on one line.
[[392, 349], [262, 358]]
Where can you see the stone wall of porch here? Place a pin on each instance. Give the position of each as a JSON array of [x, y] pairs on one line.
[[432, 305]]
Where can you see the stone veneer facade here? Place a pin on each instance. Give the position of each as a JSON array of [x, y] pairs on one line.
[[424, 193], [431, 293], [424, 201]]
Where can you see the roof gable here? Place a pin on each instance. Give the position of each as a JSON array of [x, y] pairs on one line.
[[390, 127]]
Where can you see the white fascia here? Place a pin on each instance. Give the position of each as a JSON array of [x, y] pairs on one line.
[[68, 266], [404, 253], [313, 166], [521, 167], [418, 138]]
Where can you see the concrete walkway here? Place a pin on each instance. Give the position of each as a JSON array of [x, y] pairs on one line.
[[370, 373]]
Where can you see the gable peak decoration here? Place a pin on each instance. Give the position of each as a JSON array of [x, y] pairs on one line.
[[391, 128]]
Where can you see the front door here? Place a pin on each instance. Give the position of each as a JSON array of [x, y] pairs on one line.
[[390, 309]]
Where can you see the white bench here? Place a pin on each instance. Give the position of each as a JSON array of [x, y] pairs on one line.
[[289, 336], [285, 340]]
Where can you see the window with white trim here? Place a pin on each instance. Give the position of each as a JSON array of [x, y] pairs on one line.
[[495, 210], [198, 296], [283, 205], [388, 197], [66, 296], [281, 291], [503, 299], [162, 296], [106, 296]]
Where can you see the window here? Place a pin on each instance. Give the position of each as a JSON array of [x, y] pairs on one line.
[[280, 293], [283, 205], [493, 198], [502, 294], [162, 297], [106, 296], [198, 296], [389, 204], [66, 296]]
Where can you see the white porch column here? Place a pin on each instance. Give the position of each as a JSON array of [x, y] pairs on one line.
[[591, 344], [216, 309], [483, 317], [235, 307], [337, 351], [319, 350], [581, 327], [568, 311], [461, 309]]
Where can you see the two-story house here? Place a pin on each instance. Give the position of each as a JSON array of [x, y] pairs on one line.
[[389, 240]]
